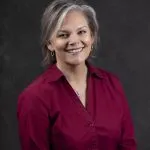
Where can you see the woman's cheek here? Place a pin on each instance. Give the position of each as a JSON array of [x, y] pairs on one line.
[[88, 40], [61, 44]]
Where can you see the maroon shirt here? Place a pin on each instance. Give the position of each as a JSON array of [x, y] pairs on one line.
[[51, 116]]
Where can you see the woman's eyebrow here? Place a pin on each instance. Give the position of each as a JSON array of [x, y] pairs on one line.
[[65, 30], [82, 27]]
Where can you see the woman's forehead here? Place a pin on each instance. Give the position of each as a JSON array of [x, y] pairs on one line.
[[74, 19]]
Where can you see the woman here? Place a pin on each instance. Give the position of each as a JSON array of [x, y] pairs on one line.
[[73, 105]]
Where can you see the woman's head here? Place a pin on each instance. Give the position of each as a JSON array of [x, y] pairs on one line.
[[68, 26]]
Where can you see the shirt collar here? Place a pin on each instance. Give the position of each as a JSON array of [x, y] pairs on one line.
[[54, 74], [95, 71]]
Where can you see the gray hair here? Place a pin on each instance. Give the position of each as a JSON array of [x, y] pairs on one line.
[[53, 17]]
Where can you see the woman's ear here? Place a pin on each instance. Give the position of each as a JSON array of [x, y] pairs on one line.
[[49, 45], [92, 39]]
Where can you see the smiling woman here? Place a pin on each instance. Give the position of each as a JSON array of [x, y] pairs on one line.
[[73, 41], [56, 20], [73, 105]]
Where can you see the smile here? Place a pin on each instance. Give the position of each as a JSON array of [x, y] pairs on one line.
[[74, 51]]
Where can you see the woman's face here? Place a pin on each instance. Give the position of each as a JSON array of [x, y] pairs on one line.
[[73, 41]]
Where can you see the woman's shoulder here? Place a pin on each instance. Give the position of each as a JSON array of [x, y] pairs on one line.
[[104, 73], [110, 78], [41, 83]]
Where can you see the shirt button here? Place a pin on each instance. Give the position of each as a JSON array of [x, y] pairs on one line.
[[94, 146], [91, 124]]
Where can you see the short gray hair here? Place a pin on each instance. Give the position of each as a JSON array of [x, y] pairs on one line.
[[53, 17]]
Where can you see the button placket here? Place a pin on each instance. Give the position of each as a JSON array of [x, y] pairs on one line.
[[94, 144]]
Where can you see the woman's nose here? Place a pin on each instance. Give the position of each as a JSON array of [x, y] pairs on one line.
[[73, 39]]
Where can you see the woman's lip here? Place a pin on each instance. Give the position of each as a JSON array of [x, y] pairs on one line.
[[74, 49]]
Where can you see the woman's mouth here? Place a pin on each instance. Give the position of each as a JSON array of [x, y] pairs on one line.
[[75, 51]]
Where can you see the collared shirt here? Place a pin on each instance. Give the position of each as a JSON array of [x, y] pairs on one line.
[[51, 116]]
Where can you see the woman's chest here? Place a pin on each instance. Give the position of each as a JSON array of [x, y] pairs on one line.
[[101, 118]]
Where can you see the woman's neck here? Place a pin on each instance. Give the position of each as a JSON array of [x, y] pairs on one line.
[[76, 74]]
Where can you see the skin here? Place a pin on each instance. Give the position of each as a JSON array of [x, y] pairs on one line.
[[74, 35]]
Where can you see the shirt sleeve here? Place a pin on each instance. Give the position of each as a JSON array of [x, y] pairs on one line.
[[33, 123], [127, 141]]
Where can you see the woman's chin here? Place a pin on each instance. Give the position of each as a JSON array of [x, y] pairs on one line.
[[75, 62]]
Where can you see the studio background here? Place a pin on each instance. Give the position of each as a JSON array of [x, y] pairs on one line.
[[124, 50]]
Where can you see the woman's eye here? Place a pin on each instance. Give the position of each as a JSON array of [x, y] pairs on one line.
[[63, 35], [82, 32]]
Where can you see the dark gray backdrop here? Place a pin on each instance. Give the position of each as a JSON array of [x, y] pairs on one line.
[[124, 50]]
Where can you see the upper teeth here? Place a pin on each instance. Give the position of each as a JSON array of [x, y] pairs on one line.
[[75, 50]]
